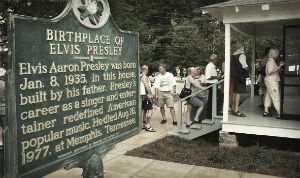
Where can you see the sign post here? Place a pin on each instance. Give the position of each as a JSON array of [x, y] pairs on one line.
[[72, 90]]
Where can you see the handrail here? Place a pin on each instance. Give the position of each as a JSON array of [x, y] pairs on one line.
[[183, 99], [184, 130]]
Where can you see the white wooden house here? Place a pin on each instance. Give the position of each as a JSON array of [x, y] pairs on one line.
[[280, 18]]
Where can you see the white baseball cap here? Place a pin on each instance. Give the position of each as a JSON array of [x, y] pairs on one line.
[[2, 72]]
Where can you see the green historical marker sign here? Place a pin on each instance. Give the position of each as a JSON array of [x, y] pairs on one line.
[[72, 89]]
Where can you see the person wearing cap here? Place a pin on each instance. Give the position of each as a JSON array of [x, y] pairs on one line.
[[212, 77], [239, 72]]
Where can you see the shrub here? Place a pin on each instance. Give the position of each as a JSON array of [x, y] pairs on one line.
[[218, 156]]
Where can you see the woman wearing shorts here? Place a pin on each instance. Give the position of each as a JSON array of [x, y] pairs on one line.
[[198, 100], [147, 102]]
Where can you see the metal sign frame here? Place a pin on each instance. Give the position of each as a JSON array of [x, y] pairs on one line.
[[10, 125]]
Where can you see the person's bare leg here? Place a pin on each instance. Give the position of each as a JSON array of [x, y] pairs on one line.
[[144, 118], [230, 103], [163, 113], [199, 111], [172, 111], [149, 116], [266, 109], [233, 101], [261, 99], [278, 112], [185, 111], [188, 114], [267, 102], [237, 102]]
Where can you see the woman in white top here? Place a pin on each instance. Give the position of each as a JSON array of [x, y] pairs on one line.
[[195, 101], [146, 95], [272, 83]]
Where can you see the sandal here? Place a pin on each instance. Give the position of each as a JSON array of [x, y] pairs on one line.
[[238, 114], [188, 125], [278, 116], [266, 114], [150, 129], [196, 121]]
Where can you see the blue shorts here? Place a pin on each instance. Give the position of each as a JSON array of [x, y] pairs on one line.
[[200, 98]]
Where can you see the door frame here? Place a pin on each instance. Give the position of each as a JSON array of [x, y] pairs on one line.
[[283, 72]]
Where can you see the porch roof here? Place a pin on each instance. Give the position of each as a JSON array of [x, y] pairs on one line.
[[257, 17], [244, 2]]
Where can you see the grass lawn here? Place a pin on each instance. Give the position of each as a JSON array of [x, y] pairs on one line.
[[203, 152]]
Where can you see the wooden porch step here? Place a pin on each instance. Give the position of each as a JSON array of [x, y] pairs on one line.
[[199, 125], [208, 121], [196, 132], [196, 126]]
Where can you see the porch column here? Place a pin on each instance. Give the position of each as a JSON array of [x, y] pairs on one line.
[[227, 72], [253, 40]]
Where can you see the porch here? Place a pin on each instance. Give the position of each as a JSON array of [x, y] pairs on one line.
[[272, 18], [198, 129], [256, 124]]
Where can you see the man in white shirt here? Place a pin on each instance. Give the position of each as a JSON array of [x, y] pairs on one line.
[[211, 73], [212, 77], [165, 91]]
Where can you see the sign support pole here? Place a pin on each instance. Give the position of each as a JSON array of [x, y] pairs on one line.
[[93, 167]]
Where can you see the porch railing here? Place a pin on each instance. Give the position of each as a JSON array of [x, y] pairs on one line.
[[181, 128]]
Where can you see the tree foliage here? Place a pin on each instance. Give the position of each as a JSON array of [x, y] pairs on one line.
[[174, 32]]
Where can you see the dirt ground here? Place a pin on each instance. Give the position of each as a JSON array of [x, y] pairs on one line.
[[205, 151]]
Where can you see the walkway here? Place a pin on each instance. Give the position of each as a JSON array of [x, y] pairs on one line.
[[128, 166], [121, 148], [116, 164]]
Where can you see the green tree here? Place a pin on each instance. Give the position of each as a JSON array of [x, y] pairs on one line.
[[40, 8], [174, 32]]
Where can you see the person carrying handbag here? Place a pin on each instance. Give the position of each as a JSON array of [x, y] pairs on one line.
[[147, 102], [198, 100], [185, 92]]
